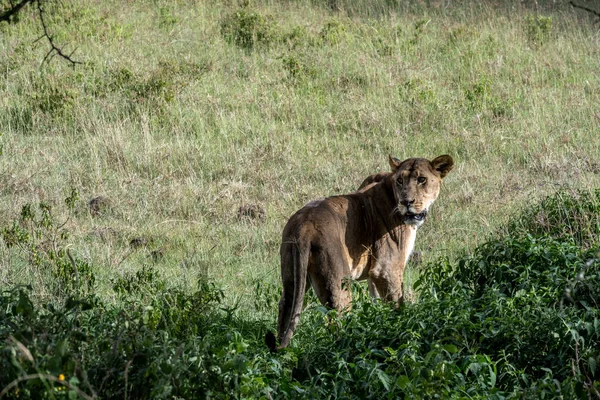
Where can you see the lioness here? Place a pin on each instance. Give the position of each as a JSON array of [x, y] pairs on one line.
[[368, 234]]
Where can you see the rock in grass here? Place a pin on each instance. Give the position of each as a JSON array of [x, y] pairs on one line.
[[252, 212], [138, 242], [99, 206]]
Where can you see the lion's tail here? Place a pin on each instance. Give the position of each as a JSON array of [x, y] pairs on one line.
[[294, 288]]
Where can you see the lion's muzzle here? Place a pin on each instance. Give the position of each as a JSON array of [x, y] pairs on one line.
[[411, 218]]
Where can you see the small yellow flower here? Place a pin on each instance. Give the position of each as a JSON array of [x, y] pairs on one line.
[[61, 377]]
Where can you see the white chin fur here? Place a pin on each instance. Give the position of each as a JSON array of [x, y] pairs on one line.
[[413, 222]]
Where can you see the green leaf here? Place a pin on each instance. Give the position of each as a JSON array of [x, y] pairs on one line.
[[475, 368], [403, 381], [450, 348], [62, 347], [166, 368], [492, 378], [580, 390], [384, 378]]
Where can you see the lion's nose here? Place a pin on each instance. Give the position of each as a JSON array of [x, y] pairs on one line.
[[407, 203]]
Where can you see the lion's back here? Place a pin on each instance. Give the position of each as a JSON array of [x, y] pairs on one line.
[[317, 219]]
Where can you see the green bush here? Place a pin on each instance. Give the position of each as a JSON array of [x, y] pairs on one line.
[[166, 344], [298, 67], [518, 316], [334, 31], [538, 28], [166, 18], [563, 215], [41, 241], [248, 29], [478, 94]]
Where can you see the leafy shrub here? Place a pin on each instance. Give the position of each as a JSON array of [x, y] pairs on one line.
[[538, 28], [175, 344], [41, 240], [418, 94], [298, 67], [156, 86], [334, 31], [166, 18], [383, 47], [477, 95], [494, 326], [159, 87], [551, 271], [248, 29], [481, 99], [51, 99], [419, 29], [134, 284], [564, 215]]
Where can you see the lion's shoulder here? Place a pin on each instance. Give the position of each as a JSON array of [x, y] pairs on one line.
[[373, 179]]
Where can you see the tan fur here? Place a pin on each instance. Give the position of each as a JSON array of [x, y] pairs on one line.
[[368, 234]]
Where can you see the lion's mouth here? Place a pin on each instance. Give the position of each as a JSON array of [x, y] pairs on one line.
[[412, 217]]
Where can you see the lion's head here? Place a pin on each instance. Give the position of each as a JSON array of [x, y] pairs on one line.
[[416, 185]]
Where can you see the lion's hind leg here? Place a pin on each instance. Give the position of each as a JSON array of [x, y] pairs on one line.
[[326, 275]]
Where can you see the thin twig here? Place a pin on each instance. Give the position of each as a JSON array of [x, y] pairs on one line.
[[595, 391], [127, 377], [54, 49]]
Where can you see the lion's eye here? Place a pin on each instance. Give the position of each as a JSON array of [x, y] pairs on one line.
[[421, 180], [399, 182]]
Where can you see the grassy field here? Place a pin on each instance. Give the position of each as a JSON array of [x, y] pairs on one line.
[[182, 112], [121, 181]]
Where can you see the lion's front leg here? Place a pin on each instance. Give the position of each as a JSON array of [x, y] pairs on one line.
[[386, 280], [373, 289]]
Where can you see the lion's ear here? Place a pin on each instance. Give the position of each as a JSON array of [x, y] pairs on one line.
[[394, 163], [443, 164]]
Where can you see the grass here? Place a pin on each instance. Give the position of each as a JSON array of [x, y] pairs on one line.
[[178, 126]]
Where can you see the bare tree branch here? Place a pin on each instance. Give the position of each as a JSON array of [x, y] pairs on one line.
[[596, 13], [13, 11], [10, 14], [54, 49]]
